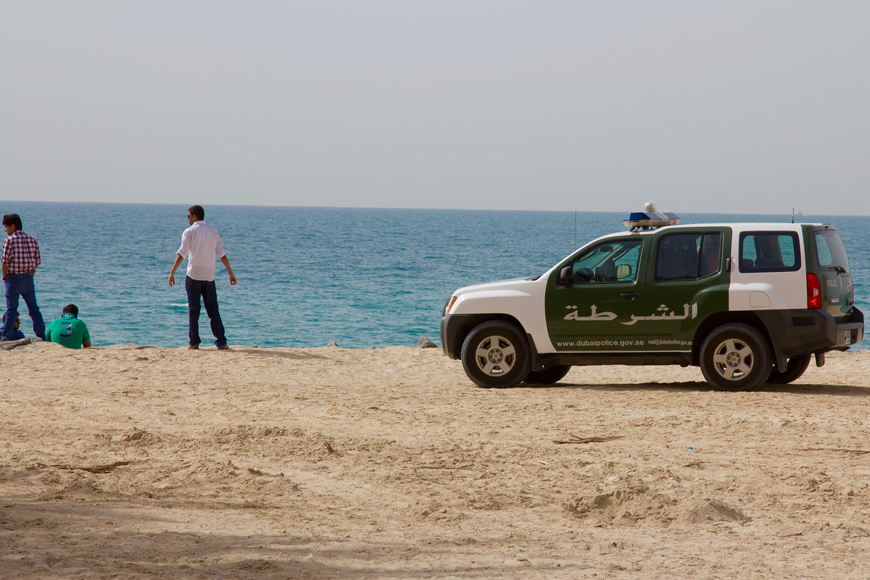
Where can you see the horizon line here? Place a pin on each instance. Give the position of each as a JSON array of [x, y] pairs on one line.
[[797, 213]]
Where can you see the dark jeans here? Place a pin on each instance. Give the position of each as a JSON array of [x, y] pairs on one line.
[[206, 290], [21, 285]]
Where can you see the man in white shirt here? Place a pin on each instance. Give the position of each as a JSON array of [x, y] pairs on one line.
[[200, 243]]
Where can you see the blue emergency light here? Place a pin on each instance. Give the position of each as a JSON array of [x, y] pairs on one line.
[[650, 219]]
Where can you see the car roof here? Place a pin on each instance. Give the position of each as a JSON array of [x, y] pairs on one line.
[[735, 226]]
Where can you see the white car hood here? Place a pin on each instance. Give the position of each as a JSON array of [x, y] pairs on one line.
[[512, 284]]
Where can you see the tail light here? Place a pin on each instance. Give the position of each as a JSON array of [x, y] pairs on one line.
[[814, 291], [850, 296]]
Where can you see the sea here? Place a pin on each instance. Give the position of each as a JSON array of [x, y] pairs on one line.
[[308, 276]]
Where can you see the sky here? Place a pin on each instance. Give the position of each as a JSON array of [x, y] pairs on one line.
[[715, 107]]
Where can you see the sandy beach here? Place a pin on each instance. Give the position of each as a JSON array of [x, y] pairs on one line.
[[142, 462]]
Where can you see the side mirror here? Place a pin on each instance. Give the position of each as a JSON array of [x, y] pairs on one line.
[[623, 271], [565, 276]]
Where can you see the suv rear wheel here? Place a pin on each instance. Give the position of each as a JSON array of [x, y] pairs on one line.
[[736, 357], [797, 365], [495, 354]]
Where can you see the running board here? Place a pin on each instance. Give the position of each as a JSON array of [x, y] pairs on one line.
[[682, 359]]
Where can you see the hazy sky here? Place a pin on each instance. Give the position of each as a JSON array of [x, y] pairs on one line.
[[737, 107]]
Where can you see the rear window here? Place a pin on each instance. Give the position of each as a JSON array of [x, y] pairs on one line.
[[769, 252], [830, 249]]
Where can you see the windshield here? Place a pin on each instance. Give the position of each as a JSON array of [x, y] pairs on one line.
[[830, 249]]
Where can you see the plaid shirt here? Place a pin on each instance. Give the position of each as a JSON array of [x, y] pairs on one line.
[[20, 253]]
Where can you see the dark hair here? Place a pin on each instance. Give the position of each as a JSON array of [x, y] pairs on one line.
[[12, 219], [197, 211], [71, 309], [17, 319]]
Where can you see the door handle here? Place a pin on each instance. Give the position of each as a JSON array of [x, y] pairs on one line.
[[629, 295]]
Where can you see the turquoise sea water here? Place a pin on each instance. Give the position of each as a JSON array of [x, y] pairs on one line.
[[307, 276]]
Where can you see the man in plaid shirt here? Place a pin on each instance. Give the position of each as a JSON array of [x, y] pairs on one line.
[[19, 261]]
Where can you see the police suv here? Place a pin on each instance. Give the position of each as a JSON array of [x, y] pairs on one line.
[[750, 303]]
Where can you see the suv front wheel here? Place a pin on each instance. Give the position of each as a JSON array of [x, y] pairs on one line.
[[495, 354], [736, 357], [547, 376]]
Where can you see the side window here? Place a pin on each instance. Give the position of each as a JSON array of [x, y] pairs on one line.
[[769, 252], [711, 255], [613, 261], [688, 256]]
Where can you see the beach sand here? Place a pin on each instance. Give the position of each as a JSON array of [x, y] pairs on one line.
[[139, 462]]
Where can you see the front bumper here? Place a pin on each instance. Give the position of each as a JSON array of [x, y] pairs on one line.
[[453, 328]]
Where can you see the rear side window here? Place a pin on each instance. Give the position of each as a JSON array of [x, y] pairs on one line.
[[769, 252], [830, 249], [688, 256]]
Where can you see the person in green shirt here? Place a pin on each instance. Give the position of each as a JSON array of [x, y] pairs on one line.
[[68, 330]]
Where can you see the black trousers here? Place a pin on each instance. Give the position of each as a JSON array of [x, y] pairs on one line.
[[206, 290]]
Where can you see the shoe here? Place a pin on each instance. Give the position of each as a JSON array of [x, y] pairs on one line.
[[192, 347], [224, 347]]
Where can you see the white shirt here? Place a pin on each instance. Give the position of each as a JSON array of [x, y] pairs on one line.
[[201, 244]]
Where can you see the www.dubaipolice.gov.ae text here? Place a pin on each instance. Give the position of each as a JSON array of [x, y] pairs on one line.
[[656, 342]]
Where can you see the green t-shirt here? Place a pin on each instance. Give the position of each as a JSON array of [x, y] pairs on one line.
[[68, 331]]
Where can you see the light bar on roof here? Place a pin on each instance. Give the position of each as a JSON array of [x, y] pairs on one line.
[[650, 219]]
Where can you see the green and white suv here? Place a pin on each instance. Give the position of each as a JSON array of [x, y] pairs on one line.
[[749, 303]]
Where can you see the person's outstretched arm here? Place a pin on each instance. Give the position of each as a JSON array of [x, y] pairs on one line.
[[226, 262]]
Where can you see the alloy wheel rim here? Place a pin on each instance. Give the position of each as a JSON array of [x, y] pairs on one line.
[[495, 356], [733, 359]]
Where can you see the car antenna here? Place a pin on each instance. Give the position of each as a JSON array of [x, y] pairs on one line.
[[575, 229], [792, 215]]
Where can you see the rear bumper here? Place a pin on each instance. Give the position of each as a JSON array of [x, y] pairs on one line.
[[854, 328], [797, 332]]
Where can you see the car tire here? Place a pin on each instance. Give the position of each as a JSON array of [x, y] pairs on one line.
[[495, 354], [547, 376], [797, 366], [736, 357]]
